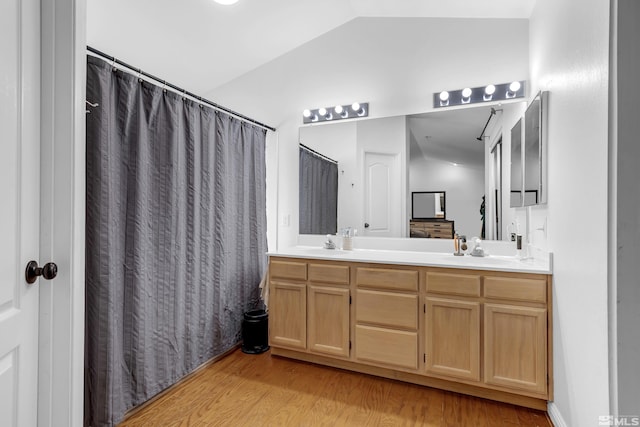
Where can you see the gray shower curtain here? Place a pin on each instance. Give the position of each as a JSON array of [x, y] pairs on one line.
[[318, 194], [175, 237]]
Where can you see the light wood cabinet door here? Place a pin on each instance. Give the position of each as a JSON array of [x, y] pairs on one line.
[[515, 347], [288, 315], [387, 346], [328, 322], [452, 337]]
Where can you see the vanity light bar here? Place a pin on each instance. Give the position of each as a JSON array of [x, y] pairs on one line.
[[338, 112], [501, 92]]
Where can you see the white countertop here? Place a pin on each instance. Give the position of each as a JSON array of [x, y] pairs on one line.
[[426, 259]]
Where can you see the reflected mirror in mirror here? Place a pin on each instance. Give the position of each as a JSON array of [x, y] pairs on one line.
[[516, 165], [428, 205]]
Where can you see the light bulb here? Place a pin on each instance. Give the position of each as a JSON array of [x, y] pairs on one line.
[[514, 87], [306, 113], [322, 111], [444, 96], [355, 106], [338, 109], [490, 90], [466, 92]]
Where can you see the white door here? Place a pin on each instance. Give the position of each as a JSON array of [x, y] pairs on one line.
[[20, 209], [382, 204]]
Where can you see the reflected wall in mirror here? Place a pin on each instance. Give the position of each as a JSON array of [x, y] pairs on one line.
[[442, 153], [516, 165], [428, 205]]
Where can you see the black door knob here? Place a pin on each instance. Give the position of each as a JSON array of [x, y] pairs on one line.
[[366, 225], [49, 271]]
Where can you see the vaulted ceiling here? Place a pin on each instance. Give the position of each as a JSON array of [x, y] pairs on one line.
[[201, 45]]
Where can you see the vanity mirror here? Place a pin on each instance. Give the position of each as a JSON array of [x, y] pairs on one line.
[[436, 152]]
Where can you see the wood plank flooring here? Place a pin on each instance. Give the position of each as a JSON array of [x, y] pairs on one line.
[[261, 390]]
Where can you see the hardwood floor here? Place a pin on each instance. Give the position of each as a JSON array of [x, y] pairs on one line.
[[261, 390]]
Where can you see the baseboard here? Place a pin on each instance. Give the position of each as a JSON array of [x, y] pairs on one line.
[[555, 415]]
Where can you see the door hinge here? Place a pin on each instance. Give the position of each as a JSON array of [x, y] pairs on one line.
[[349, 299], [424, 357], [424, 308], [349, 345]]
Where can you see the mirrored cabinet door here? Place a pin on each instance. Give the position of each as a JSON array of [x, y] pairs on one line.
[[516, 165], [532, 154]]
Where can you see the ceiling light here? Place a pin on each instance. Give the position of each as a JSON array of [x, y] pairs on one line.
[[444, 96], [322, 111], [355, 106], [338, 109], [306, 113], [226, 2]]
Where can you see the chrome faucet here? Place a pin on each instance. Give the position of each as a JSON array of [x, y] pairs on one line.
[[329, 244]]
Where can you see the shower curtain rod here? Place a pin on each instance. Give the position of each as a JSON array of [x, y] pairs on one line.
[[318, 154], [179, 89]]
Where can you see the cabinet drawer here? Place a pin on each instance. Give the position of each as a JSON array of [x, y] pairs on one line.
[[381, 278], [325, 273], [398, 348], [387, 309], [454, 284], [440, 233], [288, 270], [515, 289]]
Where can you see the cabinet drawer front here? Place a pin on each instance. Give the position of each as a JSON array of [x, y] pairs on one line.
[[288, 270], [515, 289], [381, 278], [387, 309], [440, 234], [398, 348], [325, 273], [454, 284]]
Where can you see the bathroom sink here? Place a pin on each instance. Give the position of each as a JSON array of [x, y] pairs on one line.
[[322, 252]]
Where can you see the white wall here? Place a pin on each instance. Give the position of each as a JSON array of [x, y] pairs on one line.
[[569, 58], [395, 64]]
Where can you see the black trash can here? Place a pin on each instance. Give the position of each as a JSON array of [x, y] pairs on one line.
[[255, 332]]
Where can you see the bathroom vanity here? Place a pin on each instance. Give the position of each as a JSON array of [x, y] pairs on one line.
[[479, 326]]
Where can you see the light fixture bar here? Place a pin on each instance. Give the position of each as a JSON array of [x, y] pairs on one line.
[[490, 92], [337, 112]]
